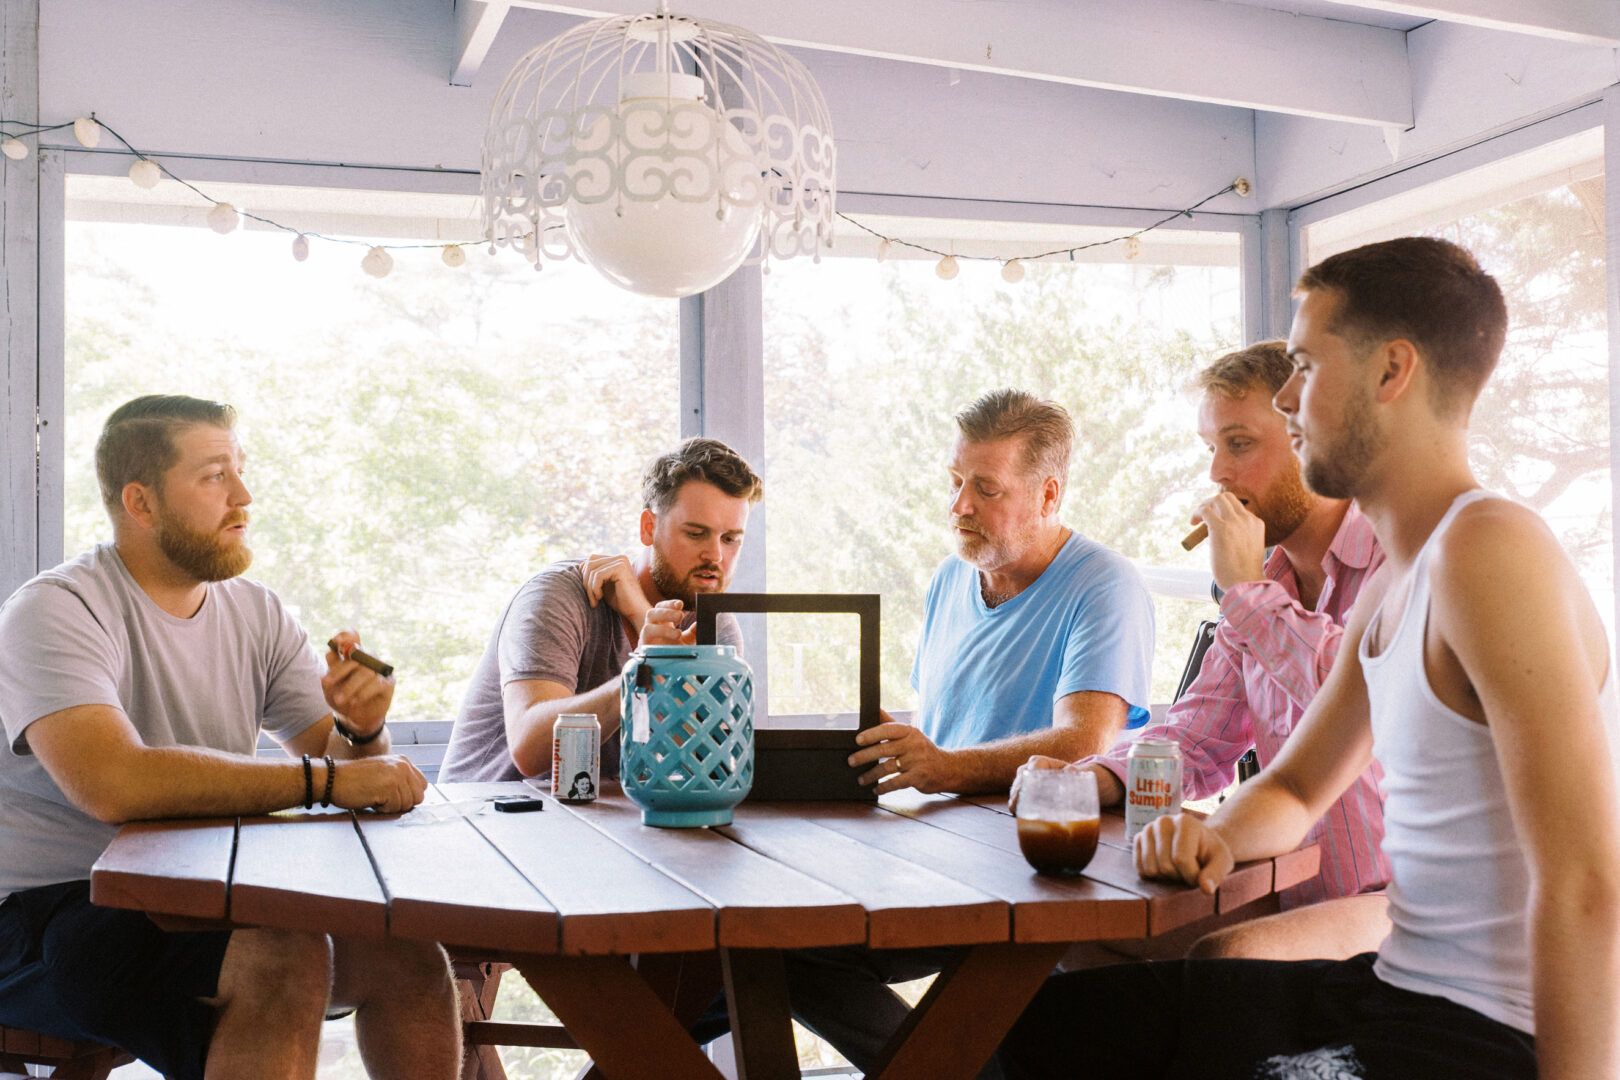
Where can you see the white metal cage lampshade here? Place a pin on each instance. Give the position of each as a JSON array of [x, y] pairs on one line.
[[666, 151]]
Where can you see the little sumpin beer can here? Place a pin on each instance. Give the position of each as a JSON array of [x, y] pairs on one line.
[[1152, 783], [576, 746]]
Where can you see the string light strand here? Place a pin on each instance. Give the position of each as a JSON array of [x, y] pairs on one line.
[[948, 269]]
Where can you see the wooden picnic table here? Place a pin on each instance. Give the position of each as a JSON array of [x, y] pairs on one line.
[[571, 894]]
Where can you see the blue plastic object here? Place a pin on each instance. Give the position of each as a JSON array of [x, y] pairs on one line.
[[687, 747]]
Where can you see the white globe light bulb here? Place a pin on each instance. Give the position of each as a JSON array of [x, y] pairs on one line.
[[947, 268], [222, 218], [1013, 272], [87, 131], [377, 263], [453, 255], [145, 174], [300, 247], [669, 144], [13, 148]]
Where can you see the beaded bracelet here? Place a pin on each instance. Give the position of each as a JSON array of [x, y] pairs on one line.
[[331, 769], [309, 784]]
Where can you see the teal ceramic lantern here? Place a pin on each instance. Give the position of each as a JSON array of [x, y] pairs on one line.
[[686, 743]]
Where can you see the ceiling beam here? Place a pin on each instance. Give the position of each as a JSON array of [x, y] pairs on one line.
[[1197, 50], [477, 23], [1585, 22]]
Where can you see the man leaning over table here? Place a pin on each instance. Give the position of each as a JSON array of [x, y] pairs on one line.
[[1035, 639], [1475, 669], [1282, 618], [136, 680], [564, 637]]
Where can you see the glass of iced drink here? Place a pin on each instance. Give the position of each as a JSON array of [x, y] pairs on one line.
[[1058, 820]]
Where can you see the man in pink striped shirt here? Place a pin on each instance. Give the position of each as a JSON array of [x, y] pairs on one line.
[[1282, 620]]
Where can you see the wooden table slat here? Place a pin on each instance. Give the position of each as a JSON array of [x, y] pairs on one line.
[[1043, 908], [445, 882], [607, 899], [195, 861], [306, 870], [1169, 905], [760, 903], [906, 904], [1297, 866]]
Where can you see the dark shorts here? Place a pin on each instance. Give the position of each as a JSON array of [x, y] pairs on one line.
[[77, 971], [1256, 1020]]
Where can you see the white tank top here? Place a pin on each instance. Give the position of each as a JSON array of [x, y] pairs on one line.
[[1458, 898]]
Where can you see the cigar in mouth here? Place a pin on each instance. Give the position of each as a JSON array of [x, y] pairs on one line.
[[1200, 534], [363, 658]]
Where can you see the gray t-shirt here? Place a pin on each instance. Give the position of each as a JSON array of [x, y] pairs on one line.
[[86, 634], [548, 631]]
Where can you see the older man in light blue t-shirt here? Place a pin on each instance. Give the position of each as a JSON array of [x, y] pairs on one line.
[[1035, 639]]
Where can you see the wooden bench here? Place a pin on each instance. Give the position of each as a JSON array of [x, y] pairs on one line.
[[71, 1060]]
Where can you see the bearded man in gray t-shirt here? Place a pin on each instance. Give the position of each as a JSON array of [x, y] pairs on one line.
[[136, 679], [563, 639]]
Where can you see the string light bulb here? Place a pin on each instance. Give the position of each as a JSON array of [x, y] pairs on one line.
[[222, 218], [88, 132], [1133, 247], [1012, 272], [453, 255], [883, 250], [300, 247], [13, 148], [946, 268], [145, 174], [377, 262]]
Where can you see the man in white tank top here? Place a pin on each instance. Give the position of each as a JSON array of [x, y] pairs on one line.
[[1476, 671]]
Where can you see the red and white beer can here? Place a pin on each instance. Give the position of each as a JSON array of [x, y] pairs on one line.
[[1152, 783], [576, 746]]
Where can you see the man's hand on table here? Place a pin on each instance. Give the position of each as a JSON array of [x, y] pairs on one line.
[[904, 757], [663, 625], [388, 784], [1184, 848], [1110, 792], [357, 695], [613, 578]]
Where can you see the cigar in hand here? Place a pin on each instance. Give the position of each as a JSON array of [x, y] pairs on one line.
[[1201, 533], [363, 658]]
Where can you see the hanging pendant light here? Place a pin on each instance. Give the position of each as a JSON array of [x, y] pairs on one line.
[[666, 151]]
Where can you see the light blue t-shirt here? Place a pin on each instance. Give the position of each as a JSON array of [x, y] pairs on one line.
[[987, 673]]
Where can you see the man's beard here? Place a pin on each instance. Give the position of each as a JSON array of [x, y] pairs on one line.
[[1335, 469], [990, 553], [1284, 506], [201, 553], [684, 589]]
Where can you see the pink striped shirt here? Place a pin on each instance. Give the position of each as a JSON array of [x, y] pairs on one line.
[[1267, 661]]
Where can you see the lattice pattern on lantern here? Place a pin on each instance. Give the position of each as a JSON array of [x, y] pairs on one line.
[[632, 133], [687, 748], [700, 725]]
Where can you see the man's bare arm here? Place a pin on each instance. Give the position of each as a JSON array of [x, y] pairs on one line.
[[1083, 723], [95, 755], [1511, 613], [1273, 812], [532, 707]]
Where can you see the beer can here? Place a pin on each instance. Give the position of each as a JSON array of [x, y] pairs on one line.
[[576, 746], [1152, 783]]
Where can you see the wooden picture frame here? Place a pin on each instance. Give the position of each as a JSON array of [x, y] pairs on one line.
[[808, 763]]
